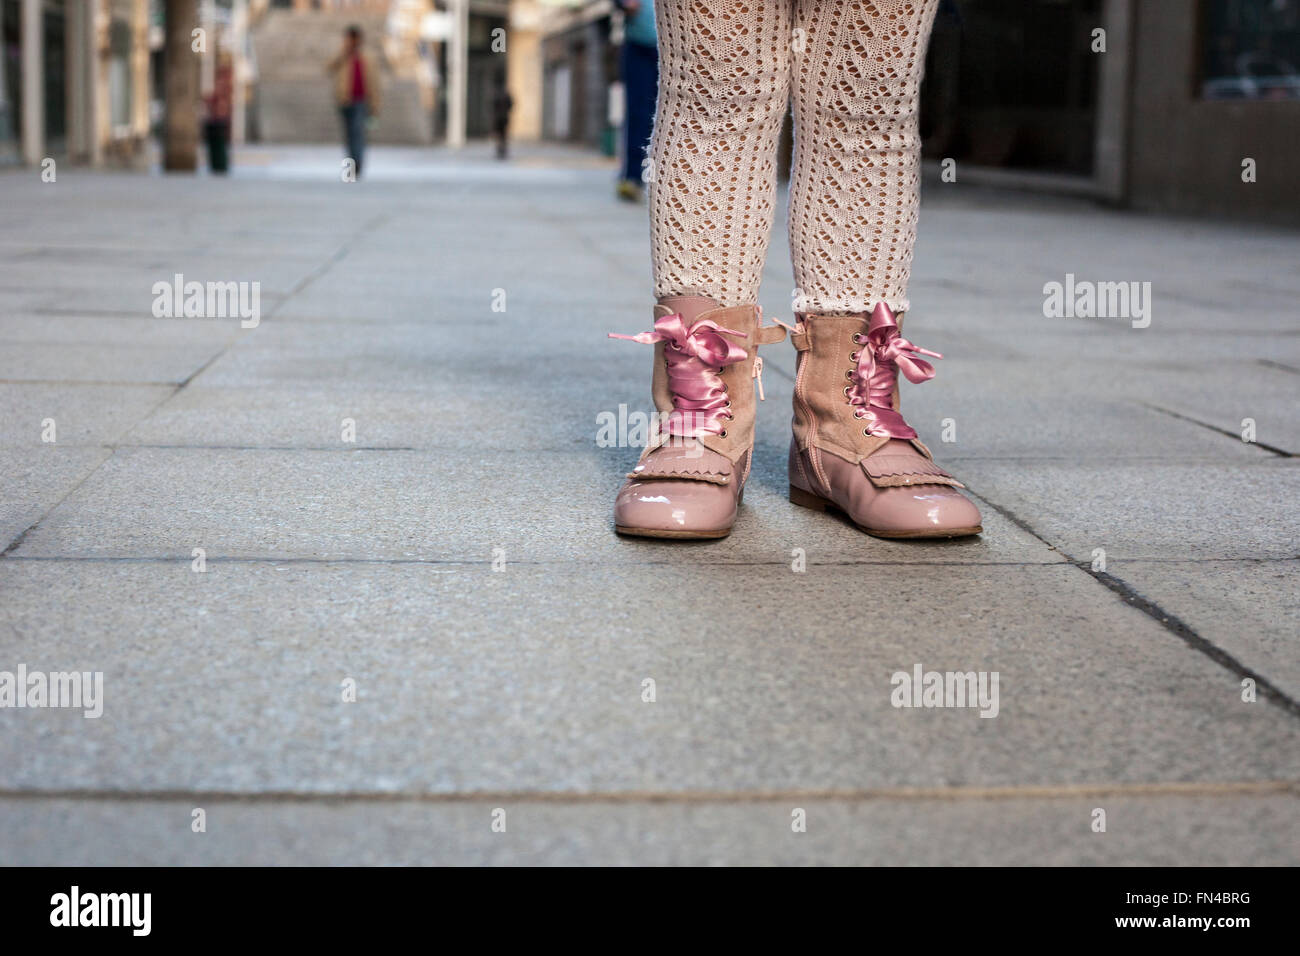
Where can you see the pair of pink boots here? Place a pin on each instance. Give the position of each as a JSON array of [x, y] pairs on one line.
[[851, 450]]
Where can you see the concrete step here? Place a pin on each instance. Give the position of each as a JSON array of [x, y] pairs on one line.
[[303, 111], [295, 96]]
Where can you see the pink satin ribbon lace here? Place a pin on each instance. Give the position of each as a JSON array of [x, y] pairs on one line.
[[695, 356], [879, 358]]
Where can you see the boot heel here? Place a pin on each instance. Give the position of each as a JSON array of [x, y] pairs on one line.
[[806, 499]]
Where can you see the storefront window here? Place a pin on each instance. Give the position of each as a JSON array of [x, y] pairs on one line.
[[1251, 49], [11, 94], [1013, 84], [119, 74]]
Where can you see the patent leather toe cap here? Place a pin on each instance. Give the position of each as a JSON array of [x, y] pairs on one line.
[[920, 511], [666, 508]]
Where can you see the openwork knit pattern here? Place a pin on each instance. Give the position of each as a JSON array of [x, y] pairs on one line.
[[727, 72], [724, 80]]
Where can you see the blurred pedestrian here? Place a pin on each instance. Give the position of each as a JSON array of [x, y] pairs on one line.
[[218, 109], [852, 69], [640, 66], [502, 104], [356, 91]]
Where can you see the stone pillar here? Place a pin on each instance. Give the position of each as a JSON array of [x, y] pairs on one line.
[[33, 73], [524, 69], [77, 52], [458, 73], [238, 72]]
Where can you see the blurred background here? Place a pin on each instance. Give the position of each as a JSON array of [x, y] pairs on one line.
[[1151, 123]]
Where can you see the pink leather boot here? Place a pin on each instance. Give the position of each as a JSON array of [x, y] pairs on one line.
[[851, 449], [691, 476]]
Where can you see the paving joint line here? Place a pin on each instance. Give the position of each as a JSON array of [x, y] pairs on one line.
[[17, 542], [1272, 449], [1165, 619], [539, 563], [552, 449], [99, 382], [1183, 630], [1269, 363], [1183, 789], [339, 254]]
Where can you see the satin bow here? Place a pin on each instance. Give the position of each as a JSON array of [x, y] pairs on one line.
[[879, 360], [694, 357]]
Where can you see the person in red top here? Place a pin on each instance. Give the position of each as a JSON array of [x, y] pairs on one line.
[[356, 92], [358, 80]]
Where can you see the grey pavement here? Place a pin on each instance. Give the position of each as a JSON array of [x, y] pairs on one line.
[[455, 563]]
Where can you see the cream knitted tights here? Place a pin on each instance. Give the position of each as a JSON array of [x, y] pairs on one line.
[[727, 69]]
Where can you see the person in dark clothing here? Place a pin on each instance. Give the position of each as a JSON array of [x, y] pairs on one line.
[[502, 104], [640, 66]]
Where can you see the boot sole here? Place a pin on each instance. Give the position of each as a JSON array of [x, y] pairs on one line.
[[679, 535], [806, 499]]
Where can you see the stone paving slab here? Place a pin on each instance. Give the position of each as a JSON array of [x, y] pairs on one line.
[[1260, 397], [470, 679], [103, 271], [37, 478], [432, 416], [378, 304], [1076, 419], [139, 329], [897, 831], [1263, 390], [439, 505], [408, 355], [999, 410], [82, 414], [1154, 509], [1251, 609], [132, 364]]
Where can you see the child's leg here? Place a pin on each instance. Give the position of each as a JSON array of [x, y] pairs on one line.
[[724, 70], [724, 80], [853, 203], [854, 187]]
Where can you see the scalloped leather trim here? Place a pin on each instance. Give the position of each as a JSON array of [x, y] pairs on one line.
[[712, 477], [891, 471]]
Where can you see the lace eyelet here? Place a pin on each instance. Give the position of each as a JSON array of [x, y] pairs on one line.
[[867, 432], [853, 356], [857, 339], [846, 390], [722, 434], [849, 375]]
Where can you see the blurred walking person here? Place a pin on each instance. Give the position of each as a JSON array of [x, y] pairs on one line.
[[502, 104], [356, 91], [218, 108], [640, 67]]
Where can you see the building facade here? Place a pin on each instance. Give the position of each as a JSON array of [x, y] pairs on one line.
[[1172, 105], [1214, 125], [579, 82], [75, 82]]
